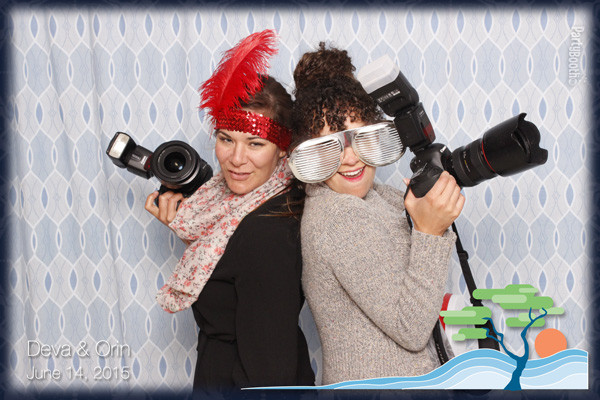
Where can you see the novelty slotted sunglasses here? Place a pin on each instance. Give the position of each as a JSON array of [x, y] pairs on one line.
[[318, 159]]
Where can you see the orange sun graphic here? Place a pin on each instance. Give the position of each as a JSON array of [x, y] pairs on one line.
[[550, 341]]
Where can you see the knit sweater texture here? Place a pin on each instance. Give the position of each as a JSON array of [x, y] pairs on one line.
[[374, 288]]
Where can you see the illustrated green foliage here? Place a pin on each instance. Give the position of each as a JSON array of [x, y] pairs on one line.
[[512, 297], [523, 319]]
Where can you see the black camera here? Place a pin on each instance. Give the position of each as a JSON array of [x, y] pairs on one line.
[[175, 164], [506, 149]]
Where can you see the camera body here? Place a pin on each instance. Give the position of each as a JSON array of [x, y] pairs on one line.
[[506, 149], [175, 164]]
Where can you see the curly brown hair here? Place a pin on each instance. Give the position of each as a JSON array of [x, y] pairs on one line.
[[322, 64], [327, 92]]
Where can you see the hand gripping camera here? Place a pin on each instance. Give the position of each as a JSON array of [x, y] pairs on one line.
[[506, 149], [175, 164]]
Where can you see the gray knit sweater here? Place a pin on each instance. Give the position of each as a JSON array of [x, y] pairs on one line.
[[375, 289]]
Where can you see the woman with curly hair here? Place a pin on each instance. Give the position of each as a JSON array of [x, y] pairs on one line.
[[374, 285]]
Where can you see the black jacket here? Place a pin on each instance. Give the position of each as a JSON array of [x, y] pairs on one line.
[[248, 310]]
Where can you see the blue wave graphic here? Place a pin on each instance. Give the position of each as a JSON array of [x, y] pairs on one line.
[[484, 369]]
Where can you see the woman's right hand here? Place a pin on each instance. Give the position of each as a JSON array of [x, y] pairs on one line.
[[435, 212], [167, 206]]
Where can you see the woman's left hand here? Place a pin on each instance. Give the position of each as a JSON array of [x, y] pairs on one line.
[[437, 210]]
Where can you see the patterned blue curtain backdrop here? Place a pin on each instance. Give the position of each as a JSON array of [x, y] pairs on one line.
[[87, 259]]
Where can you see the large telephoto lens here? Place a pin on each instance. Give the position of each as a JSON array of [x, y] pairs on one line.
[[508, 148], [179, 167]]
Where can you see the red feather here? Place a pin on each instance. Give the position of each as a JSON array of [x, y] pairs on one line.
[[238, 74]]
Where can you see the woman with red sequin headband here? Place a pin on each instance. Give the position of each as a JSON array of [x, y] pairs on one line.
[[240, 272]]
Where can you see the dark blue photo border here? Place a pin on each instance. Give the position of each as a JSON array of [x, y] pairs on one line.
[[593, 151]]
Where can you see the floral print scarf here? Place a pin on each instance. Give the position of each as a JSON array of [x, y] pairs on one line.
[[207, 219]]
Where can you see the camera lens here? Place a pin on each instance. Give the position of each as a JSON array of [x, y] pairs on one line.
[[174, 162], [470, 165], [508, 148], [179, 167]]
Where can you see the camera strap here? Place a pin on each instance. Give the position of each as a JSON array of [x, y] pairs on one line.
[[463, 258]]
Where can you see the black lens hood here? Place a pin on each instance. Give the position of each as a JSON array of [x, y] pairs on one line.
[[513, 146]]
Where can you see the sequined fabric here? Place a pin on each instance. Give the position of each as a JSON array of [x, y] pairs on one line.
[[254, 124]]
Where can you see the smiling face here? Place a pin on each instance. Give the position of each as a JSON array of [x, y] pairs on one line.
[[247, 161], [353, 176]]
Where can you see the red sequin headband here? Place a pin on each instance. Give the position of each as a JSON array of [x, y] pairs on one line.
[[255, 124]]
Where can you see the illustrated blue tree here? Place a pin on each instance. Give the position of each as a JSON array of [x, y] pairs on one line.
[[512, 297], [515, 381]]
